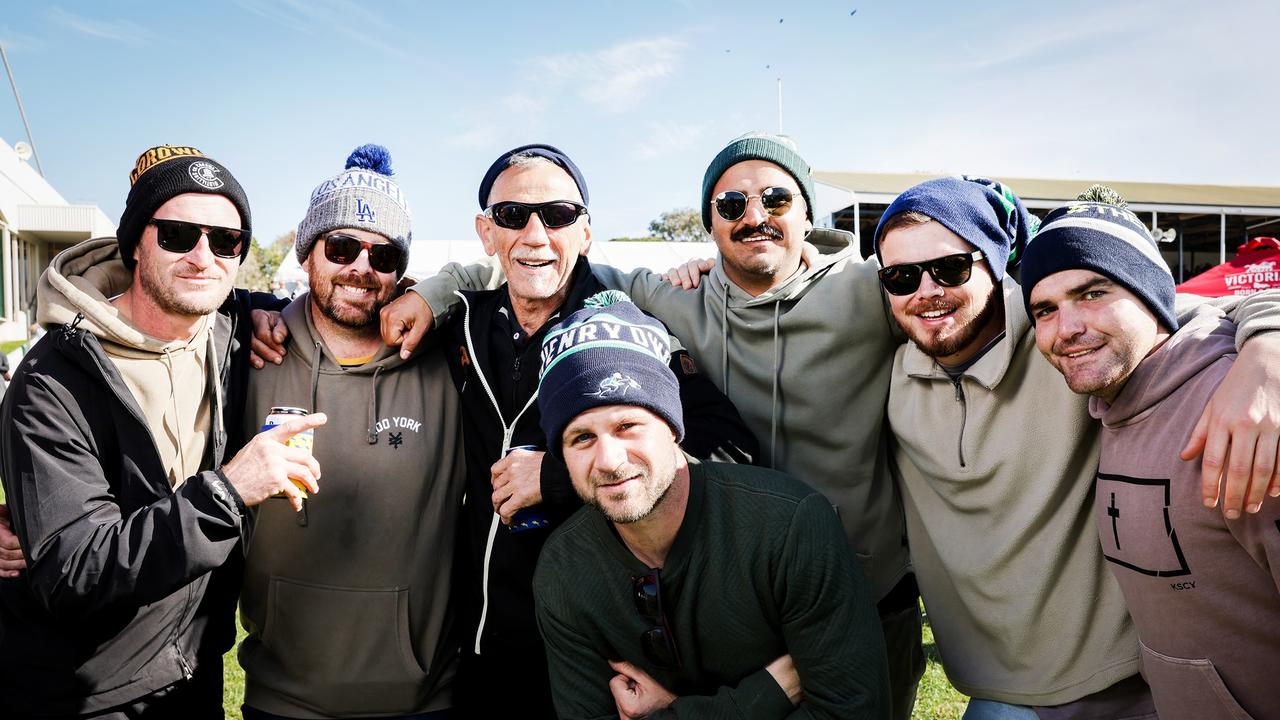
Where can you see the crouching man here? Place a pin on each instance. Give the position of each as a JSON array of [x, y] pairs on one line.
[[1202, 589], [685, 589]]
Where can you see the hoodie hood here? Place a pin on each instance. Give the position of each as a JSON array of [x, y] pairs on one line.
[[1206, 337], [81, 280]]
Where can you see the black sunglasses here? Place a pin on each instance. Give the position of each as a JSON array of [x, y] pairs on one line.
[[554, 214], [658, 642], [179, 236], [732, 204], [343, 249], [947, 271]]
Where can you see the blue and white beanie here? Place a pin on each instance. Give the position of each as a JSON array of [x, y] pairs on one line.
[[1109, 240], [984, 213], [362, 196], [608, 353]]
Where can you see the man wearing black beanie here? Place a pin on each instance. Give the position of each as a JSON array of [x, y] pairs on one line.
[[117, 430]]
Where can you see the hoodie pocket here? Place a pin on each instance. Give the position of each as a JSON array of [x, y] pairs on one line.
[[343, 650], [1188, 688]]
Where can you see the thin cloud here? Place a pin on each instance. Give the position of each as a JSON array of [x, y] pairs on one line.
[[324, 17], [668, 138], [115, 30], [617, 79], [477, 138]]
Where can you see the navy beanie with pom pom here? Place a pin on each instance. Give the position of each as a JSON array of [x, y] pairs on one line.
[[364, 197]]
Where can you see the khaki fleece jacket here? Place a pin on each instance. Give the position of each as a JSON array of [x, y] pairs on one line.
[[176, 401], [997, 475], [1204, 591], [807, 365], [347, 603]]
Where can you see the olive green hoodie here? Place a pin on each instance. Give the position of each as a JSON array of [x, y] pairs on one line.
[[347, 603]]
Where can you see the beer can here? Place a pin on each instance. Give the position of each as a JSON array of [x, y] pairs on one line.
[[529, 518], [304, 440]]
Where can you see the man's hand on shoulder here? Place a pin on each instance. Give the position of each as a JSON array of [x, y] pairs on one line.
[[405, 321], [635, 694], [1238, 436], [784, 673], [269, 334], [689, 275]]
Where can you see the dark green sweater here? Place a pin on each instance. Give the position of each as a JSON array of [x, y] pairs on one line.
[[760, 568]]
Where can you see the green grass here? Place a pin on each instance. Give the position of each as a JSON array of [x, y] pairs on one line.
[[936, 699]]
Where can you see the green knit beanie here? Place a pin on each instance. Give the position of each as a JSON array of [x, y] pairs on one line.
[[777, 149]]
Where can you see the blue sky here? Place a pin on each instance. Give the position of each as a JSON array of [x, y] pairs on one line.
[[640, 94]]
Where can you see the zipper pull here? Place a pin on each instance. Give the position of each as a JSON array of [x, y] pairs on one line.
[[186, 668], [959, 390]]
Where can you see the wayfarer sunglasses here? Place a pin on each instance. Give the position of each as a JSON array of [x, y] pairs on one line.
[[343, 249], [947, 271], [179, 236], [554, 214]]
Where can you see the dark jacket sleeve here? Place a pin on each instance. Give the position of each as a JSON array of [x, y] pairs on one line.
[[84, 551], [713, 429], [829, 621]]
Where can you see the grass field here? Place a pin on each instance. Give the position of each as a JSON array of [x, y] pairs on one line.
[[936, 700]]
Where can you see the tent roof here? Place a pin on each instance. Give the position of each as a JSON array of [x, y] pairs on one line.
[[1060, 191]]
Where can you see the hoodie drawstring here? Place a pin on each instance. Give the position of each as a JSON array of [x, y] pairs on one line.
[[177, 469], [373, 407], [773, 408], [315, 375]]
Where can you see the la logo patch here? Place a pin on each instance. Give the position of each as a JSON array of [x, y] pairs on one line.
[[364, 213]]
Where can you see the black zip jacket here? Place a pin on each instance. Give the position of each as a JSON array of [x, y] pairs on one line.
[[120, 597], [495, 598]]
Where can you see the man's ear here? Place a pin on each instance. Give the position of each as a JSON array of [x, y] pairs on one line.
[[586, 243], [484, 231]]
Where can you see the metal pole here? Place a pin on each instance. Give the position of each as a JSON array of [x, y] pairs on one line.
[[1222, 239], [779, 106], [21, 112], [1181, 262]]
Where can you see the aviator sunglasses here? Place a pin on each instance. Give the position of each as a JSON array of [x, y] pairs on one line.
[[554, 214], [342, 249], [178, 236], [658, 642], [947, 271], [732, 204]]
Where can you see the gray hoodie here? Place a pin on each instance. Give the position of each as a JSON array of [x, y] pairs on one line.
[[784, 358], [347, 603], [1203, 591]]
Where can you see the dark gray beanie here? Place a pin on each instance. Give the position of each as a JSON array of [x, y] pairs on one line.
[[608, 353], [363, 196], [164, 172], [777, 149]]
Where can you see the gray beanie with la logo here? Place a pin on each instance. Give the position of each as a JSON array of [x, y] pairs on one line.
[[363, 196]]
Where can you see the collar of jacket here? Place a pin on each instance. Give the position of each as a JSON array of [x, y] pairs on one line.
[[992, 367]]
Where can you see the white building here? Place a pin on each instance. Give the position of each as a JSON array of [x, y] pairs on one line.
[[36, 223]]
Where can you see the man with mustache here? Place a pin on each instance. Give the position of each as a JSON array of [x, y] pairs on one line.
[[686, 589], [997, 462], [347, 604]]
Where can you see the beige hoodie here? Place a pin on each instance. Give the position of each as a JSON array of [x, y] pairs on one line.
[[171, 380]]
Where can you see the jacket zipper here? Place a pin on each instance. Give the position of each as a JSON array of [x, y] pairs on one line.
[[507, 432], [964, 413]]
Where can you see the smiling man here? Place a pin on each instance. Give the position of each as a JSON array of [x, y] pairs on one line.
[[365, 570], [534, 221], [116, 431], [686, 589], [997, 461], [1202, 589]]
